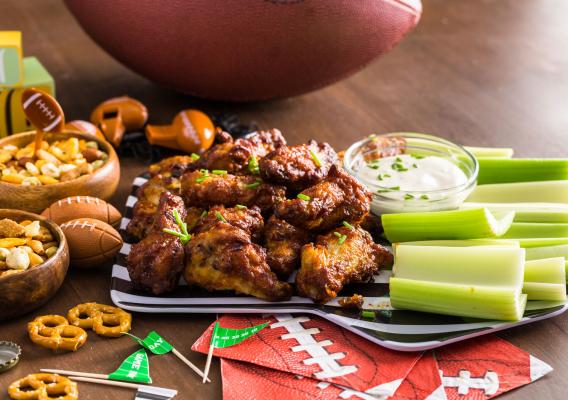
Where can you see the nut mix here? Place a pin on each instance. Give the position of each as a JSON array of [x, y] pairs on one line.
[[60, 161], [24, 245]]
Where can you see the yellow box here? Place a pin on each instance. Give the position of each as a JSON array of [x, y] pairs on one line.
[[11, 66], [12, 117]]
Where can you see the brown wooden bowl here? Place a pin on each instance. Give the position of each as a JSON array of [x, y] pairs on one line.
[[25, 291], [102, 183]]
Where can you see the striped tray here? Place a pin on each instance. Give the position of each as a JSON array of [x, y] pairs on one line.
[[395, 329]]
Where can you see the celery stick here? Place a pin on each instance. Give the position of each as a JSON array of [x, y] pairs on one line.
[[543, 192], [548, 270], [498, 170], [537, 253], [457, 224], [462, 243], [541, 305], [493, 152], [490, 302], [536, 230], [541, 242], [494, 266], [527, 212], [544, 291]]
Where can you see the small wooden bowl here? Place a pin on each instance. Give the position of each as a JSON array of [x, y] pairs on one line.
[[102, 183], [25, 291]]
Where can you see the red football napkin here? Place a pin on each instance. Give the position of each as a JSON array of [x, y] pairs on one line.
[[243, 381], [315, 348], [485, 367]]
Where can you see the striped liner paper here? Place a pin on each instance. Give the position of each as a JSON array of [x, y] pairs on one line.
[[394, 329]]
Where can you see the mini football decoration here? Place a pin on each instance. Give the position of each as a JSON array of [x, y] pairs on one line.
[[82, 207], [91, 242], [43, 111], [118, 115]]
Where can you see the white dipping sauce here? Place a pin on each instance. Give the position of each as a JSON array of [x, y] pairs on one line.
[[396, 175]]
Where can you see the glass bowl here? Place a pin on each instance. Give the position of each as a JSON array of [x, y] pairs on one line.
[[386, 201]]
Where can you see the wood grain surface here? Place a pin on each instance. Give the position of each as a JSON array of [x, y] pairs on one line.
[[491, 72]]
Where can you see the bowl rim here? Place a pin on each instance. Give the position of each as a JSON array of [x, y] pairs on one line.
[[4, 213], [108, 148]]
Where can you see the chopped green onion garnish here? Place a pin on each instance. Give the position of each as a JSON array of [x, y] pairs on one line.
[[219, 172], [184, 236], [394, 188], [240, 207], [204, 171], [418, 157], [348, 225], [398, 159], [408, 196], [414, 166], [317, 161], [253, 165], [304, 197], [194, 156], [337, 234], [383, 190], [201, 179], [220, 217], [203, 214], [254, 185], [342, 239], [372, 137], [424, 197], [386, 175], [368, 314], [373, 166]]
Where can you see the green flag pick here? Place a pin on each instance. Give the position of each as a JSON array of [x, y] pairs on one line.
[[227, 337], [134, 369], [158, 345]]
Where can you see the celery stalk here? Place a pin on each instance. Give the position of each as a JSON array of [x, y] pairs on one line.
[[462, 243], [537, 253], [497, 170], [490, 302], [493, 152], [547, 270], [541, 242], [536, 230], [532, 192], [545, 291], [457, 224], [494, 266], [527, 212], [460, 281]]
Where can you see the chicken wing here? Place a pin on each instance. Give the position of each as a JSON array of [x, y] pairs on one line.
[[224, 258], [155, 264], [234, 156], [172, 166], [148, 198], [248, 219], [298, 167], [205, 189], [336, 259], [339, 197], [283, 243]]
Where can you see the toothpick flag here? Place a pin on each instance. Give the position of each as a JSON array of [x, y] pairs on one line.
[[153, 342], [134, 369], [158, 345], [227, 337]]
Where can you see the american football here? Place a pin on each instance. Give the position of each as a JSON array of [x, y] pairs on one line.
[[82, 207], [269, 49], [43, 110], [91, 242]]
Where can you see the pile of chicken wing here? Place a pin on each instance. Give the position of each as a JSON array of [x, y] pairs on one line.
[[256, 211]]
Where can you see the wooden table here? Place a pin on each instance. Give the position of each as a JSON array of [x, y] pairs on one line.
[[487, 73]]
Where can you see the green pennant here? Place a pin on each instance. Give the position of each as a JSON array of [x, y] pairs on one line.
[[226, 337], [153, 342], [134, 369]]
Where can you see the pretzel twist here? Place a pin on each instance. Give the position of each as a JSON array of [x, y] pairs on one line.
[[43, 387], [54, 332], [105, 320]]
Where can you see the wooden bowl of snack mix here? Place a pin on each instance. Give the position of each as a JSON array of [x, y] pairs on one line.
[[68, 164], [34, 258]]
